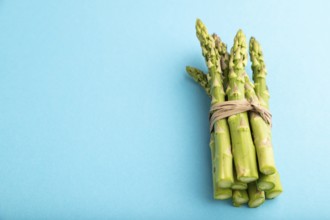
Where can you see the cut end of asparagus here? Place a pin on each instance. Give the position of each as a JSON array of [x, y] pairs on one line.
[[264, 186], [222, 197], [239, 186], [257, 202], [256, 197], [273, 194], [223, 194], [241, 200], [225, 184], [268, 170], [240, 196], [236, 204], [247, 179]]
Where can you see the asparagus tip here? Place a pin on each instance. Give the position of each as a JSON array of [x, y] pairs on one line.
[[199, 22]]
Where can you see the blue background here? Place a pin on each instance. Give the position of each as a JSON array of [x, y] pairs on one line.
[[98, 118]]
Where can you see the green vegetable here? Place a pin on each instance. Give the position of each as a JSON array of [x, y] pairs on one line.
[[223, 157], [266, 182], [224, 58], [222, 194], [261, 133], [261, 130], [242, 143], [237, 175], [259, 72], [240, 197], [218, 193], [266, 166], [256, 197], [277, 190], [236, 204], [200, 78], [238, 184]]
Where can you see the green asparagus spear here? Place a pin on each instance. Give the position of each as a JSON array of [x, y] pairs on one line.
[[199, 77], [277, 190], [259, 72], [223, 157], [261, 130], [236, 204], [242, 143], [261, 89], [218, 193], [266, 182], [240, 197], [261, 133], [237, 183], [222, 193], [224, 58], [256, 197]]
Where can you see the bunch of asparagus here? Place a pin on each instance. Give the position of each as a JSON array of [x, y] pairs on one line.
[[243, 166]]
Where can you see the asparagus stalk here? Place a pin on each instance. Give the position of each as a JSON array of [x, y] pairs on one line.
[[259, 72], [238, 185], [223, 157], [222, 193], [213, 165], [277, 190], [256, 197], [240, 197], [200, 78], [236, 204], [242, 143], [261, 89], [261, 134], [218, 193], [266, 182], [261, 130], [224, 58]]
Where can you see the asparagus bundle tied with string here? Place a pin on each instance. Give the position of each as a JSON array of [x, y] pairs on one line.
[[243, 165]]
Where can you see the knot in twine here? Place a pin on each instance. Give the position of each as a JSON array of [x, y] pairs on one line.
[[228, 108]]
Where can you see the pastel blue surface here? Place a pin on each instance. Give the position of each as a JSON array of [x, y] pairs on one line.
[[98, 119]]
